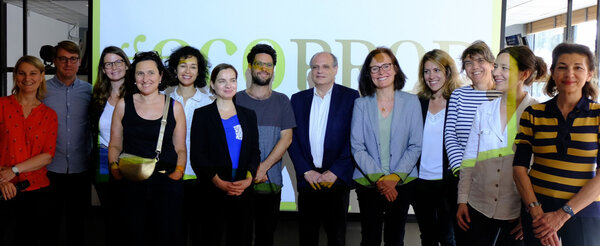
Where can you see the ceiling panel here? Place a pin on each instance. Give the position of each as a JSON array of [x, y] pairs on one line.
[[525, 11], [72, 12]]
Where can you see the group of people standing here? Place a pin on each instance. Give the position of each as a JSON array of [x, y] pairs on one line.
[[462, 156]]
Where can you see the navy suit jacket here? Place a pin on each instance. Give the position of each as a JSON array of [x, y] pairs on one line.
[[337, 156]]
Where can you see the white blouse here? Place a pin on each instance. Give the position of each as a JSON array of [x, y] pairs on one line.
[[104, 124], [432, 156]]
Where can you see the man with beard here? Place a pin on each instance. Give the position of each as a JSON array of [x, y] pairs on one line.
[[275, 122]]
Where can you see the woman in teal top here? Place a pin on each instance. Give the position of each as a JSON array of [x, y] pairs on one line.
[[384, 117]]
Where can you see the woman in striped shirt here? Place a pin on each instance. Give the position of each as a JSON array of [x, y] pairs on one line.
[[477, 62], [562, 134]]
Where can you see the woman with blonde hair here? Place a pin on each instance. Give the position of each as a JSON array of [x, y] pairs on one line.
[[28, 131], [438, 77]]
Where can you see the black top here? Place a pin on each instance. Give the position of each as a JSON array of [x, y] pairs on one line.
[[140, 135]]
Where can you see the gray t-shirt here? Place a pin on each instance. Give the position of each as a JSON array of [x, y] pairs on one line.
[[273, 115]]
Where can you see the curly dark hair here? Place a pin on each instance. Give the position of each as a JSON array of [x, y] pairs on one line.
[[261, 48], [185, 52]]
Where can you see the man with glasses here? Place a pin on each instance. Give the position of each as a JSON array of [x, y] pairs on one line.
[[321, 154], [70, 184], [275, 122]]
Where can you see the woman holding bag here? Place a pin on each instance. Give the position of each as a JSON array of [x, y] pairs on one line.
[[136, 126]]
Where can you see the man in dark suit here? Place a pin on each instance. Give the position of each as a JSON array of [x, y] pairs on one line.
[[320, 151]]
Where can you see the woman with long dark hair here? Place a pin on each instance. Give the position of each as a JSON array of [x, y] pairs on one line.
[[108, 89]]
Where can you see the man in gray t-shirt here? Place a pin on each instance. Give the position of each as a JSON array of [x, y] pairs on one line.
[[275, 122]]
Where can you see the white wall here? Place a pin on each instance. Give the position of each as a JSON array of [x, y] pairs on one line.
[[42, 30]]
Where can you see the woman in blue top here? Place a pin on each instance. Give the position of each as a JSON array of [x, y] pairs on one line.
[[225, 155], [387, 131]]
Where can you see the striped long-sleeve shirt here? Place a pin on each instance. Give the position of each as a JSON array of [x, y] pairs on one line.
[[462, 106], [565, 151]]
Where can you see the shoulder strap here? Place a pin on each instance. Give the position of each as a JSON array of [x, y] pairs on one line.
[[163, 124]]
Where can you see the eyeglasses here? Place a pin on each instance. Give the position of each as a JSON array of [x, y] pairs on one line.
[[116, 64], [258, 64], [152, 53], [385, 67], [64, 59]]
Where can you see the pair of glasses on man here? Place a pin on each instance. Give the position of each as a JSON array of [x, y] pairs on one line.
[[385, 67], [116, 64], [258, 64], [64, 59]]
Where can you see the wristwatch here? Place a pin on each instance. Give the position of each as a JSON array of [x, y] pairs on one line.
[[15, 170], [534, 204], [568, 210]]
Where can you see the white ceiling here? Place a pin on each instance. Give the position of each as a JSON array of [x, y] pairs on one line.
[[518, 11], [72, 12], [525, 11]]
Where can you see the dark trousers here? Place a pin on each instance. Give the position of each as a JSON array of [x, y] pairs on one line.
[[580, 231], [151, 211], [487, 231], [228, 217], [191, 210], [327, 207], [110, 205], [377, 215], [70, 196], [433, 213], [460, 236], [28, 216], [266, 215]]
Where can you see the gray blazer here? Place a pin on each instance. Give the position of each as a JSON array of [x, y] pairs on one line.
[[406, 139]]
